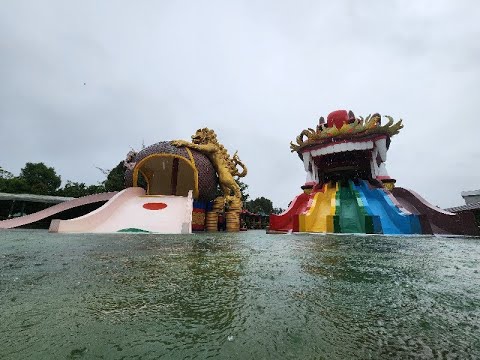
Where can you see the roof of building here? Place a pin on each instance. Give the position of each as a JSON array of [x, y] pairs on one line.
[[470, 193], [34, 198], [474, 206]]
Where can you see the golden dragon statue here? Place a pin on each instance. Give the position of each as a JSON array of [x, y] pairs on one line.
[[205, 141]]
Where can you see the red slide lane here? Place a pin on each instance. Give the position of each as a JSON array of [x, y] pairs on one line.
[[285, 221], [58, 208]]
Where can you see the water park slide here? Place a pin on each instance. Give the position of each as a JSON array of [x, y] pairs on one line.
[[351, 217], [132, 210], [392, 219], [288, 220], [318, 218], [438, 221], [55, 209]]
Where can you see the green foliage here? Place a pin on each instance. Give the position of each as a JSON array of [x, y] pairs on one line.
[[243, 190], [41, 180], [4, 174], [260, 205], [75, 189], [116, 178], [37, 178], [95, 189], [14, 185], [34, 178]]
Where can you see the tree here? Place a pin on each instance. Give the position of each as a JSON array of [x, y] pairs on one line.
[[95, 189], [75, 189], [243, 190], [41, 180], [260, 205], [14, 185], [116, 178], [4, 174], [5, 177]]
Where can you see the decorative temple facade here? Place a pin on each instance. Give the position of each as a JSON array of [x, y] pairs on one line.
[[348, 188]]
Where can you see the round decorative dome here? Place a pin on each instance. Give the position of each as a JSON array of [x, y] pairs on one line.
[[171, 170]]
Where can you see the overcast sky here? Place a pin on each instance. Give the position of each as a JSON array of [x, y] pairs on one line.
[[83, 82]]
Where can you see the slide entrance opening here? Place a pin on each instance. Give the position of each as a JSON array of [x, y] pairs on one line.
[[167, 174]]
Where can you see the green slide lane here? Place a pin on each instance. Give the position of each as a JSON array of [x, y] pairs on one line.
[[349, 214]]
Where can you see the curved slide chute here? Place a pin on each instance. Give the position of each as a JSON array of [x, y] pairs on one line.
[[319, 218], [55, 209], [288, 220], [393, 220], [351, 212], [438, 221], [132, 210]]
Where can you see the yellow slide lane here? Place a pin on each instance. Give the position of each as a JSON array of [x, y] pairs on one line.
[[315, 219]]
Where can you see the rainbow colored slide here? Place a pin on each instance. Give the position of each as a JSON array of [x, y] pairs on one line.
[[337, 154], [347, 207]]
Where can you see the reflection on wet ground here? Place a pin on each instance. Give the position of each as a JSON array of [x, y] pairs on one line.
[[238, 296]]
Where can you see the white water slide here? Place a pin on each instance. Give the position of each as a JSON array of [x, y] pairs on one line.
[[56, 209], [132, 210]]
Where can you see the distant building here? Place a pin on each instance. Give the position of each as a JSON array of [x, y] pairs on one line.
[[471, 197], [472, 204]]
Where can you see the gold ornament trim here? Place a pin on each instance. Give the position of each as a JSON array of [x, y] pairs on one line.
[[359, 128]]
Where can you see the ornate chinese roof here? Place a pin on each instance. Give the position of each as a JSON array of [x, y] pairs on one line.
[[342, 125]]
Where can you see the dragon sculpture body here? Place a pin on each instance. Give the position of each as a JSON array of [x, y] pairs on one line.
[[205, 141]]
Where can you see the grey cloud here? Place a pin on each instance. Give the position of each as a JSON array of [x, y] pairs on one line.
[[256, 72]]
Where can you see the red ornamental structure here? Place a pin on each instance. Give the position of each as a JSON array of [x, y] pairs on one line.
[[349, 190]]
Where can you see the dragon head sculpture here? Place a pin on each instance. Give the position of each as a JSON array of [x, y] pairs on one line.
[[345, 146], [205, 141], [204, 136]]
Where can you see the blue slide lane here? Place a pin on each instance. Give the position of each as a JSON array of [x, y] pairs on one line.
[[392, 219]]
